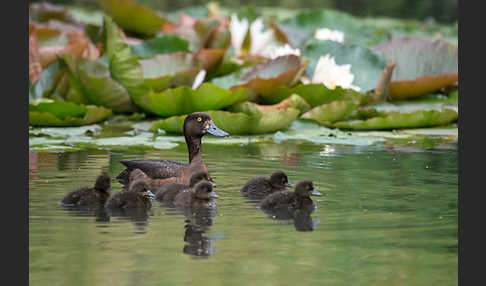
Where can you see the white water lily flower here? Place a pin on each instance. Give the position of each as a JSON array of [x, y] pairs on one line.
[[238, 30], [332, 75], [278, 51], [327, 34], [199, 79], [260, 40]]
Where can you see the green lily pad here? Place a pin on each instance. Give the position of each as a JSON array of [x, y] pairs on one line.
[[184, 100], [46, 82], [133, 17], [316, 94], [421, 66], [237, 123], [396, 120], [46, 112], [252, 108], [165, 44], [366, 65], [337, 110]]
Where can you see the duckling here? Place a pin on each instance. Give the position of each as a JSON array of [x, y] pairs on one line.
[[261, 186], [298, 199], [168, 192], [200, 196], [86, 196], [196, 125], [138, 196]]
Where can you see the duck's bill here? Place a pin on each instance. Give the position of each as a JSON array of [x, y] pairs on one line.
[[315, 193], [289, 185], [150, 194], [213, 195], [214, 130], [213, 184]]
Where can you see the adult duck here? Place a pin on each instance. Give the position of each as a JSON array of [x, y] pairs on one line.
[[196, 125]]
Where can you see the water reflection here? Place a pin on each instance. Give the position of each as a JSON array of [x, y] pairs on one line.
[[198, 222], [301, 217]]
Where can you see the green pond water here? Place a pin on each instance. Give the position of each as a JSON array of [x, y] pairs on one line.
[[388, 217]]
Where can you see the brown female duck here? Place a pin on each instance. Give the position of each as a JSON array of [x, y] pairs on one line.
[[87, 196], [196, 125]]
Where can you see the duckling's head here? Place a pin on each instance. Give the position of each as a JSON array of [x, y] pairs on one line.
[[103, 183], [204, 191], [197, 177], [279, 179], [141, 187], [305, 188], [197, 124]]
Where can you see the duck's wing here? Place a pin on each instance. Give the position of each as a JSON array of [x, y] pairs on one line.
[[155, 169]]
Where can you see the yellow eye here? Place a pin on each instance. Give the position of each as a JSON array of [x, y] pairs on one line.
[[199, 119]]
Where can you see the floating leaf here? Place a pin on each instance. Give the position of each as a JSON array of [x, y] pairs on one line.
[[46, 112], [366, 65], [133, 17], [293, 101], [396, 120], [184, 100], [337, 110], [165, 44], [237, 123], [421, 66], [99, 88], [316, 94], [265, 78]]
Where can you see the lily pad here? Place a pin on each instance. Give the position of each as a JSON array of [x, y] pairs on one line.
[[184, 100], [421, 66], [366, 65], [133, 17], [46, 82], [237, 123], [316, 94], [396, 120], [263, 79], [46, 112], [165, 44], [293, 101], [337, 110], [99, 88]]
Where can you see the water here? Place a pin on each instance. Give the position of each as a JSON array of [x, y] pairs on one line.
[[387, 217]]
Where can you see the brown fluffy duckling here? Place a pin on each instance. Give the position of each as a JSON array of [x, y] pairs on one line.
[[196, 125], [168, 192], [138, 196], [261, 186], [200, 196], [298, 199], [87, 196]]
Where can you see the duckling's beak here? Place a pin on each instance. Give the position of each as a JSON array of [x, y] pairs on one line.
[[150, 194], [213, 195], [214, 130], [289, 185], [213, 184], [314, 192]]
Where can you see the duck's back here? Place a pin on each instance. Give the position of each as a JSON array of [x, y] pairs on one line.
[[154, 168], [282, 199], [81, 197], [258, 187], [167, 193], [127, 200], [184, 198]]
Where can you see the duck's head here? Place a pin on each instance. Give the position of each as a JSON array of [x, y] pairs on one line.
[[305, 188], [204, 191], [279, 179], [197, 124], [103, 183], [199, 176], [141, 187]]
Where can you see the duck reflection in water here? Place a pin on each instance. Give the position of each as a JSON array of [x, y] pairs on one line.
[[198, 221]]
